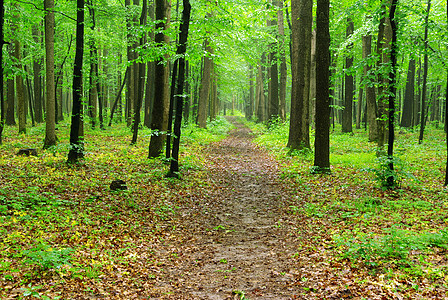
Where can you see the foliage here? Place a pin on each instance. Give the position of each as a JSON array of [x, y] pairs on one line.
[[47, 257], [387, 178]]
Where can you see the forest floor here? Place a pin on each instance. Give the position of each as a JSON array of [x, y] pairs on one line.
[[240, 224]]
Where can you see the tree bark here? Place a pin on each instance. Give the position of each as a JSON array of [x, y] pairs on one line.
[[301, 14], [425, 76], [21, 101], [181, 49], [37, 68], [76, 140], [2, 96], [204, 92], [347, 116], [159, 120], [283, 67], [408, 103], [50, 121], [273, 83], [140, 77], [149, 91], [322, 138]]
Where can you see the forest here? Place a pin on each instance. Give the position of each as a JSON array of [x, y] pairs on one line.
[[195, 149]]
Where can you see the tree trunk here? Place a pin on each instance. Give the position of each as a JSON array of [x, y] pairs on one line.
[[37, 68], [322, 138], [149, 91], [425, 76], [250, 109], [347, 117], [359, 108], [273, 82], [406, 117], [181, 49], [383, 52], [392, 91], [21, 101], [2, 96], [313, 79], [140, 77], [76, 143], [283, 67], [301, 14], [159, 120], [204, 92], [50, 129]]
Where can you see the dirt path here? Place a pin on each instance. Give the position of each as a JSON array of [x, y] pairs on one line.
[[236, 242]]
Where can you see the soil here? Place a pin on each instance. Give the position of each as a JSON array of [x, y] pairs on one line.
[[237, 244]]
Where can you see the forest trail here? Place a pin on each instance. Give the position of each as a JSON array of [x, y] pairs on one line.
[[236, 242]]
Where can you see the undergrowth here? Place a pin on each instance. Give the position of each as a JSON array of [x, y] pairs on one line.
[[61, 225], [399, 231]]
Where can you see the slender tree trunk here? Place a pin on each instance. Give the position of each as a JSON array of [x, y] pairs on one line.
[[392, 90], [149, 91], [322, 139], [359, 108], [408, 103], [283, 67], [425, 76], [21, 102], [383, 52], [37, 68], [76, 140], [2, 96], [181, 49], [250, 110], [301, 14], [118, 97], [347, 117], [159, 120], [50, 129], [140, 77], [446, 112], [171, 110], [273, 82], [204, 92], [187, 99], [313, 79]]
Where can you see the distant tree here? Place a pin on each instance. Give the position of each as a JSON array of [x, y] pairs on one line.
[[50, 127], [408, 103], [347, 113], [76, 151], [204, 91], [2, 97], [283, 67], [446, 111], [322, 139]]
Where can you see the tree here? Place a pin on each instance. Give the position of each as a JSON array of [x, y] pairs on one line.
[[2, 98], [322, 138], [392, 91], [50, 122], [204, 91], [372, 109], [446, 111], [425, 77], [181, 49], [408, 103], [301, 14], [76, 151], [347, 116], [37, 68], [159, 119], [140, 79], [283, 67]]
